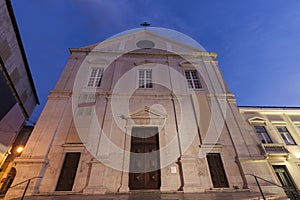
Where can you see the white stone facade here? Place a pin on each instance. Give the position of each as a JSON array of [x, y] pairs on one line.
[[98, 122]]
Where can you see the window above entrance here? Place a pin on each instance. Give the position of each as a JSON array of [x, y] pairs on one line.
[[145, 78]]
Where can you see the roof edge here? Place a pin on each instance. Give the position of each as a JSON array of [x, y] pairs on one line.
[[19, 40], [272, 107]]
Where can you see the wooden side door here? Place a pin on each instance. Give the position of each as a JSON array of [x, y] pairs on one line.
[[217, 171], [143, 142], [68, 172]]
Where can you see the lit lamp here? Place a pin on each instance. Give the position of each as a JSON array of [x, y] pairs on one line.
[[20, 149], [297, 155]]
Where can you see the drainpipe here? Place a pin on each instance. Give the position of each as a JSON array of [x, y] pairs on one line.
[[46, 160], [197, 120], [179, 145], [177, 131]]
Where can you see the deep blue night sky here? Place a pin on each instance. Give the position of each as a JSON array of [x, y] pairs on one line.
[[258, 42]]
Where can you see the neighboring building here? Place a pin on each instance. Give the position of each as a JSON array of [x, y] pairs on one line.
[[9, 172], [145, 110], [277, 132], [17, 91]]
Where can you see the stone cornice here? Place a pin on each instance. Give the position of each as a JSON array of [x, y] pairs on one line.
[[190, 54], [270, 110], [59, 94], [142, 95], [31, 159]]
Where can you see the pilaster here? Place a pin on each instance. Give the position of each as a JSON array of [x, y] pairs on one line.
[[96, 179], [190, 174]]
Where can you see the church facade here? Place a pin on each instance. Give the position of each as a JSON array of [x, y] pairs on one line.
[[150, 110]]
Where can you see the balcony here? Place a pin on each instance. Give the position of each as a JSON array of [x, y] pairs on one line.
[[274, 150]]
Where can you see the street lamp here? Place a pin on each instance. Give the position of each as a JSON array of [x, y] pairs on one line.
[[297, 155], [19, 149]]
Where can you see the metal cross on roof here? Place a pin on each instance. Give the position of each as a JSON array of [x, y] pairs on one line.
[[145, 24]]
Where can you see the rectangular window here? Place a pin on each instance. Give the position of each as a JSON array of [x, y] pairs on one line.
[[263, 134], [192, 79], [286, 136], [95, 78], [145, 78]]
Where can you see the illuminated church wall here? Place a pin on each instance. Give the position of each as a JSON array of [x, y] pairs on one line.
[[141, 111]]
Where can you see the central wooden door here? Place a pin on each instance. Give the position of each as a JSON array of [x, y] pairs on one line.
[[144, 165]]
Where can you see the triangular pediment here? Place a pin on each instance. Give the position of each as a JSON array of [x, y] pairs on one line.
[[185, 63], [147, 112], [257, 119], [161, 42]]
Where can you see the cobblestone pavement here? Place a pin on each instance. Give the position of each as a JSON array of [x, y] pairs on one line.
[[154, 196]]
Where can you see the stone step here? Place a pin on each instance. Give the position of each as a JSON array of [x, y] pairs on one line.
[[157, 196]]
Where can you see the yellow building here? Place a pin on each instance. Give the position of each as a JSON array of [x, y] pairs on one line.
[[277, 132]]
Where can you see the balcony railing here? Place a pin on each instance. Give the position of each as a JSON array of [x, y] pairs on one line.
[[274, 150]]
